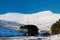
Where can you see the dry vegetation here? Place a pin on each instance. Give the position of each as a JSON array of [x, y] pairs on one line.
[[55, 29], [10, 39]]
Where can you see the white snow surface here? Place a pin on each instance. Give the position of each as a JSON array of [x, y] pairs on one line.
[[43, 20], [54, 37]]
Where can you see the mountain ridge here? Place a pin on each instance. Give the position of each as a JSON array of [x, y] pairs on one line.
[[43, 20]]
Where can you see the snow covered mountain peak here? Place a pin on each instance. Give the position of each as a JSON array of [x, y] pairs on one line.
[[45, 12], [18, 16], [43, 19]]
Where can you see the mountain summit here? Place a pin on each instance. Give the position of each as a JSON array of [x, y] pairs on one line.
[[19, 16]]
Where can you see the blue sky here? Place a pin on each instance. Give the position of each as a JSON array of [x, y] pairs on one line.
[[29, 6]]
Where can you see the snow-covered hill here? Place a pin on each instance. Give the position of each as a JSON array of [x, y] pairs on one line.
[[43, 20], [10, 24], [9, 28]]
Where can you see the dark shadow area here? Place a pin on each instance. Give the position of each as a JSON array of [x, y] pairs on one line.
[[29, 30]]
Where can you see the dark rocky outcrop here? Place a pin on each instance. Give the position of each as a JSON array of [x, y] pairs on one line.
[[32, 30]]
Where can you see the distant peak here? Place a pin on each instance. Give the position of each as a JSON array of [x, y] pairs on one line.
[[11, 14], [45, 12], [38, 13]]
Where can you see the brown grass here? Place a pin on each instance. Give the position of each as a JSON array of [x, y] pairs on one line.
[[10, 39]]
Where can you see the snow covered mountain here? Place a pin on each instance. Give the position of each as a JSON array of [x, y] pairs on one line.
[[43, 20]]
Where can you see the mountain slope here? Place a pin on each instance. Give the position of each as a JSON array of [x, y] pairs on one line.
[[43, 20], [10, 24], [7, 32], [9, 29]]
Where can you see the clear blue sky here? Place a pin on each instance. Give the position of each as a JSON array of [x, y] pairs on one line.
[[29, 6]]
